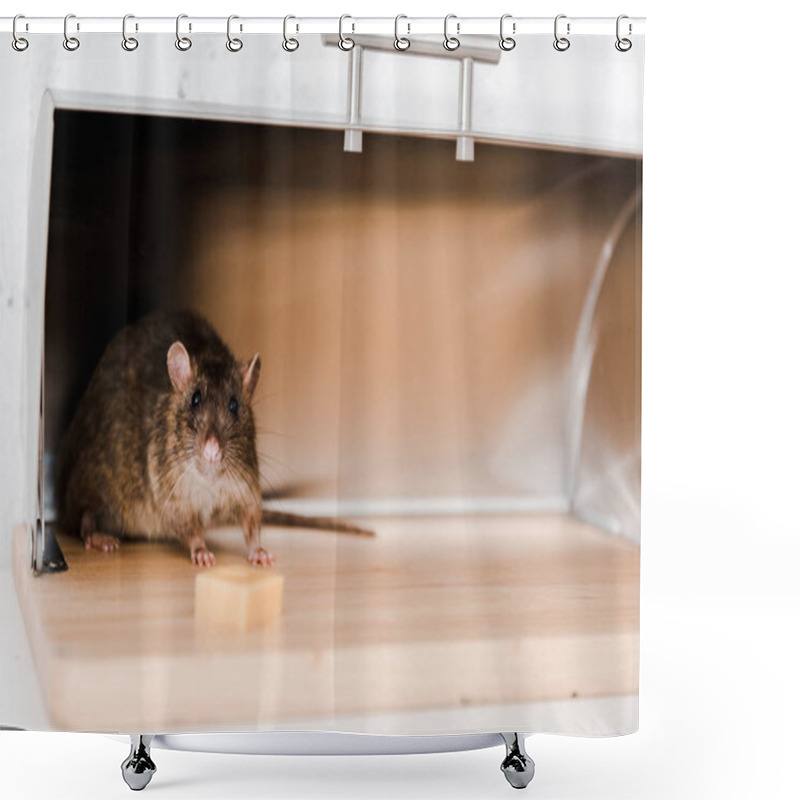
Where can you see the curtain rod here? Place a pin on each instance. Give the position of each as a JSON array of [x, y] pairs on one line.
[[409, 26]]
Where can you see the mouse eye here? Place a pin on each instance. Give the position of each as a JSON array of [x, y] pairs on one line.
[[233, 406], [196, 398]]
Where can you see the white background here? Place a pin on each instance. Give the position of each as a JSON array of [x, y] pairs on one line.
[[720, 696]]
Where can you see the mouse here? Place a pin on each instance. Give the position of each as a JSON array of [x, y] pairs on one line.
[[162, 444]]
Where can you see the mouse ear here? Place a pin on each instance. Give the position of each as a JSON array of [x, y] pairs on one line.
[[250, 372], [179, 366]]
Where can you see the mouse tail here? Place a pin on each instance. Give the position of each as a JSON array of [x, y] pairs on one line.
[[269, 517]]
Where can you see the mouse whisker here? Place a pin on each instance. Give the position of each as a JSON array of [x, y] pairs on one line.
[[262, 452], [267, 396], [263, 472], [270, 485], [169, 496], [235, 486], [271, 459], [238, 478], [261, 431]]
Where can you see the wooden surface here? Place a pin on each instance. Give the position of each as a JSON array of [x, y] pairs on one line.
[[434, 613]]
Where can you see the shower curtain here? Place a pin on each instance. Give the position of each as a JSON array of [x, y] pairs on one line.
[[387, 278]]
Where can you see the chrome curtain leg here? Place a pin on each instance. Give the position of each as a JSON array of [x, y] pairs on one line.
[[517, 766], [138, 768]]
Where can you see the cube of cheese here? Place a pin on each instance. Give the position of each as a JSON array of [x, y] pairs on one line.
[[237, 597]]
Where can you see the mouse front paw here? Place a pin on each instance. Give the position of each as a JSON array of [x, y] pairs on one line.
[[202, 557], [259, 557], [101, 541]]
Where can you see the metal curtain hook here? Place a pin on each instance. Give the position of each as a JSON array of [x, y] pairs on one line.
[[623, 45], [129, 43], [181, 42], [70, 42], [345, 42], [289, 44], [450, 42], [507, 42], [18, 42], [401, 42], [561, 43], [233, 44]]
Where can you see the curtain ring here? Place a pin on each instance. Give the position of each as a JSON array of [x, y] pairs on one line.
[[233, 44], [401, 42], [128, 42], [18, 42], [183, 43], [345, 42], [71, 43], [506, 42], [561, 43], [289, 44], [623, 45], [450, 42]]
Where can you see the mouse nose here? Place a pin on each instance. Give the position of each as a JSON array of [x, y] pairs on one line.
[[211, 451]]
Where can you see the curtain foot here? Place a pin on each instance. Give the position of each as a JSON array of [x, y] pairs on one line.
[[517, 766], [138, 768]]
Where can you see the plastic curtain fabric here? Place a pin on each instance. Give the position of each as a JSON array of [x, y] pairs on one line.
[[436, 257]]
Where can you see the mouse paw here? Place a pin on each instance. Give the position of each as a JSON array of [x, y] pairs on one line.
[[259, 557], [203, 557], [101, 541]]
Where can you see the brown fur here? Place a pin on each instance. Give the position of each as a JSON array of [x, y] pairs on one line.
[[131, 461]]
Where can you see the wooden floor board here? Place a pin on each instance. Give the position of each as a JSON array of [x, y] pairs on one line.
[[432, 613]]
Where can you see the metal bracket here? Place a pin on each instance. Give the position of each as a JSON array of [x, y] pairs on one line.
[[46, 555]]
